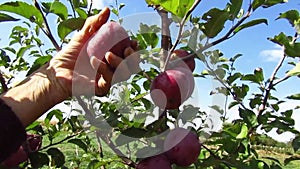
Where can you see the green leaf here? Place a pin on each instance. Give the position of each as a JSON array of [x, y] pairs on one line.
[[57, 8], [248, 116], [292, 50], [25, 10], [38, 159], [269, 3], [290, 159], [296, 143], [22, 50], [215, 21], [79, 143], [257, 3], [57, 113], [295, 71], [234, 77], [177, 7], [82, 13], [4, 18], [68, 26], [130, 135], [292, 16], [294, 97], [243, 133], [38, 63], [250, 24], [57, 157], [234, 8]]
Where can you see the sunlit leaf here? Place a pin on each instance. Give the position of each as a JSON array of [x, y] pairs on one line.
[[25, 10], [215, 20], [177, 7], [294, 97], [57, 8], [250, 24], [292, 16], [68, 26], [295, 71]]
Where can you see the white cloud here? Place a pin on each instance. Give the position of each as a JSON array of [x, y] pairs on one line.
[[99, 4], [272, 55]]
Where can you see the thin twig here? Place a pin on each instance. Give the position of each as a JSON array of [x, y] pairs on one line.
[[90, 8], [61, 141], [73, 8], [281, 80], [105, 137], [47, 29], [181, 25]]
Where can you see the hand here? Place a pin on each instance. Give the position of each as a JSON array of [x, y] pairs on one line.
[[76, 73]]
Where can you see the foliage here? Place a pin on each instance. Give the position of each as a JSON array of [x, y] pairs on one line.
[[231, 147]]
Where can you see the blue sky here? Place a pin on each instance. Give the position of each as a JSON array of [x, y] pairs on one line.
[[252, 43]]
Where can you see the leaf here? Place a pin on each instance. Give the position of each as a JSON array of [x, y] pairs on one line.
[[243, 133], [290, 159], [57, 157], [269, 3], [292, 50], [57, 8], [294, 97], [215, 21], [256, 4], [57, 113], [22, 50], [296, 143], [129, 135], [68, 26], [248, 116], [4, 18], [79, 143], [234, 8], [25, 10], [250, 24], [38, 63], [295, 71], [292, 16], [177, 7], [38, 159]]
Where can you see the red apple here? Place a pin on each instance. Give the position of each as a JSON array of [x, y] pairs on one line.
[[182, 147], [172, 87], [187, 62], [110, 37], [155, 162]]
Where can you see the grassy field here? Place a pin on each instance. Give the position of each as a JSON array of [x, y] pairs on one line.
[[280, 157]]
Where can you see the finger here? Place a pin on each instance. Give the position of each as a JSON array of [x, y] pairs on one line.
[[134, 45], [102, 87], [102, 68], [92, 24], [122, 72], [132, 60]]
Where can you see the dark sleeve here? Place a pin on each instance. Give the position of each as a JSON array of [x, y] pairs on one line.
[[12, 132]]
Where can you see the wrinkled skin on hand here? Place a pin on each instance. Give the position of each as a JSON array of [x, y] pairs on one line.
[[78, 74]]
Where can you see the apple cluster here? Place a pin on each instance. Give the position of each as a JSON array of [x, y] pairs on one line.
[[176, 84], [181, 147]]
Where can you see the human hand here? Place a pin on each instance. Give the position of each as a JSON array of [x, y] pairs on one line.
[[75, 73]]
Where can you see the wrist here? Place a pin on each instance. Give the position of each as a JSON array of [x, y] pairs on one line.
[[35, 95]]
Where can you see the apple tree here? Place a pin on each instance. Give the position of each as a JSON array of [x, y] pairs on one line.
[[154, 120]]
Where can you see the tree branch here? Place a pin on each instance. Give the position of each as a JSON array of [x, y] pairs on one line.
[[165, 37], [47, 30]]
